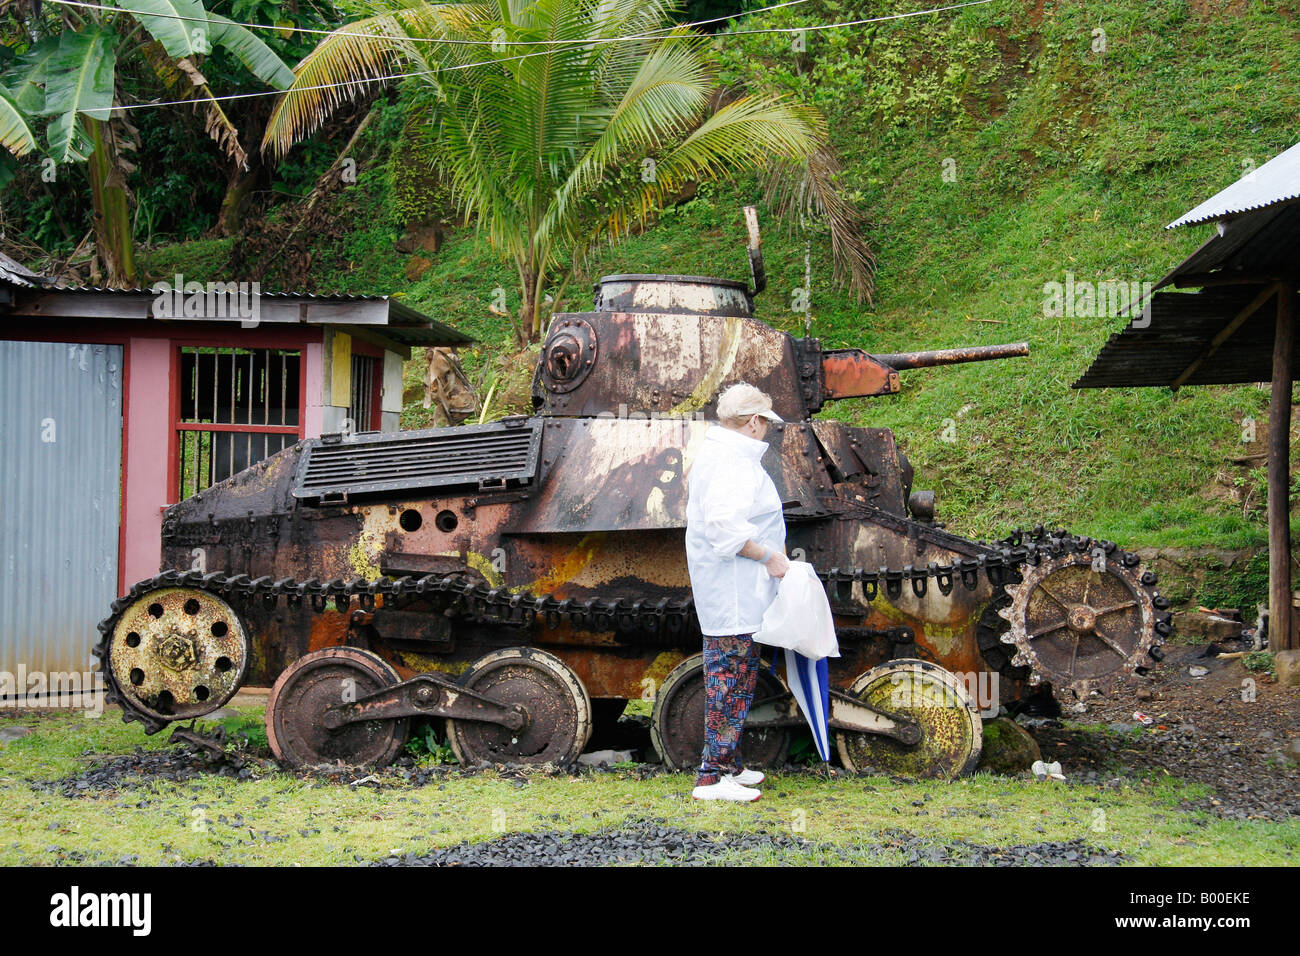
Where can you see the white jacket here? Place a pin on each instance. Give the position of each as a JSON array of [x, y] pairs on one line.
[[731, 499]]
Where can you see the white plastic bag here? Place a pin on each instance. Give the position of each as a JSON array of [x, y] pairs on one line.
[[800, 617]]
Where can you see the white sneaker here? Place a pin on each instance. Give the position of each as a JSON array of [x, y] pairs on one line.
[[726, 789], [747, 778]]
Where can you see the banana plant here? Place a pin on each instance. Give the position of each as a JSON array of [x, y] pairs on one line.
[[69, 80]]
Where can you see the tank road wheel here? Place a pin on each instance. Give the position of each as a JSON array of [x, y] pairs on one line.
[[677, 723], [1078, 623], [951, 729], [178, 653], [555, 705], [316, 682]]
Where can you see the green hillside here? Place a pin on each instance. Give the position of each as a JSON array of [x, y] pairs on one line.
[[1066, 150]]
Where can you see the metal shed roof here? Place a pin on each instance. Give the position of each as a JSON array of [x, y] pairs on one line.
[[1260, 244], [1182, 335], [15, 273], [1276, 181], [1224, 333], [375, 314]]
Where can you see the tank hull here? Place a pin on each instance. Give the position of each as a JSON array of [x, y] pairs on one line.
[[602, 517]]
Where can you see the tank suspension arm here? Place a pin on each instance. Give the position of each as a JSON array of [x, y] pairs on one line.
[[853, 373], [424, 696]]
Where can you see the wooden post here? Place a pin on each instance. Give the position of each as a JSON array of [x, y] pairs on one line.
[[1281, 635]]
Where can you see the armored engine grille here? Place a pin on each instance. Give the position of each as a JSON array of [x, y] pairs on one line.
[[498, 455]]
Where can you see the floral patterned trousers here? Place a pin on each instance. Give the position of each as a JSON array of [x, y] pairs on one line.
[[730, 675]]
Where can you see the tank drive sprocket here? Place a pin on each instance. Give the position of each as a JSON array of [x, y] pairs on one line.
[[175, 653], [1082, 620]]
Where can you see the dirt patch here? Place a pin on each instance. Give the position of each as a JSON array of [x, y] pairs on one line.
[[1228, 729]]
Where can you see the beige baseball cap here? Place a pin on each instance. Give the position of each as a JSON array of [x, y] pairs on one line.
[[743, 400]]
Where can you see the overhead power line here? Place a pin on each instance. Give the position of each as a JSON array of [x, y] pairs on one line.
[[353, 84], [495, 44]]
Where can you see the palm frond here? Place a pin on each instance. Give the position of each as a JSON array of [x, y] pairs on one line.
[[352, 61], [809, 190], [186, 82], [747, 134]]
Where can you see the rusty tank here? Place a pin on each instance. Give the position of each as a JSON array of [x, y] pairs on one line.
[[521, 581]]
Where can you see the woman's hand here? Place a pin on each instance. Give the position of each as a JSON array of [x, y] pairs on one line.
[[774, 560], [777, 565]]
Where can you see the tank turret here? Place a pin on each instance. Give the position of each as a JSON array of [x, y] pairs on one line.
[[667, 345]]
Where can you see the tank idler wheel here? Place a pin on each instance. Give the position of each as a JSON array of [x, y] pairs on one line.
[[556, 708], [951, 729], [677, 723], [178, 653], [312, 685]]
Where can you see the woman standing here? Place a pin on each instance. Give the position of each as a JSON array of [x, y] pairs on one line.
[[735, 551]]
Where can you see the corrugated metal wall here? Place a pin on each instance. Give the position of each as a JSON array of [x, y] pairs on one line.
[[60, 493]]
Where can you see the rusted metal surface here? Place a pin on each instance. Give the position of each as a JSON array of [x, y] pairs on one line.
[[314, 685], [675, 295], [1080, 620], [664, 364], [852, 372], [179, 653], [556, 710], [493, 599], [931, 697], [424, 695]]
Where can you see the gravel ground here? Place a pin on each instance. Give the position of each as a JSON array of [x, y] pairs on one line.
[[655, 842], [136, 776]]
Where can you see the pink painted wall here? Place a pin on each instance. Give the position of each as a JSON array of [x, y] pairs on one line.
[[148, 412], [146, 490]]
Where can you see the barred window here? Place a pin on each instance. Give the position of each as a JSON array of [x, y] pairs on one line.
[[237, 407]]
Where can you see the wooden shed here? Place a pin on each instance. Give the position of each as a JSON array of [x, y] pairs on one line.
[[1238, 327]]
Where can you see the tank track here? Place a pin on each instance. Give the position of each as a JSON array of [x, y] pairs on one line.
[[474, 601]]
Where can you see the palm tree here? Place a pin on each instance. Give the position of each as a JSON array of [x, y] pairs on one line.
[[554, 129]]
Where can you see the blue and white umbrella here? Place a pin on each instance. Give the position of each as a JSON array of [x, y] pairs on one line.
[[810, 683]]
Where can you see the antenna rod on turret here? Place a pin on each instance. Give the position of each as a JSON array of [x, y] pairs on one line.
[[755, 250]]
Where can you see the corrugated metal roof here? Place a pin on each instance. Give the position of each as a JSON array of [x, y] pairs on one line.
[[404, 324], [1181, 329], [15, 273], [1276, 181], [1264, 243]]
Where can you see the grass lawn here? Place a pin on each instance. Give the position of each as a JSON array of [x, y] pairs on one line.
[[276, 818]]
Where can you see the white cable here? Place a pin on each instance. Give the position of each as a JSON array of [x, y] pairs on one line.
[[383, 36], [504, 59]]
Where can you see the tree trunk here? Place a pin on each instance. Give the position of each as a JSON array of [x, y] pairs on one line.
[[526, 332], [112, 213], [240, 186], [1280, 635]]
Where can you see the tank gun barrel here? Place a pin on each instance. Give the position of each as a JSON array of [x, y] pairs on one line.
[[970, 353], [853, 373]]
